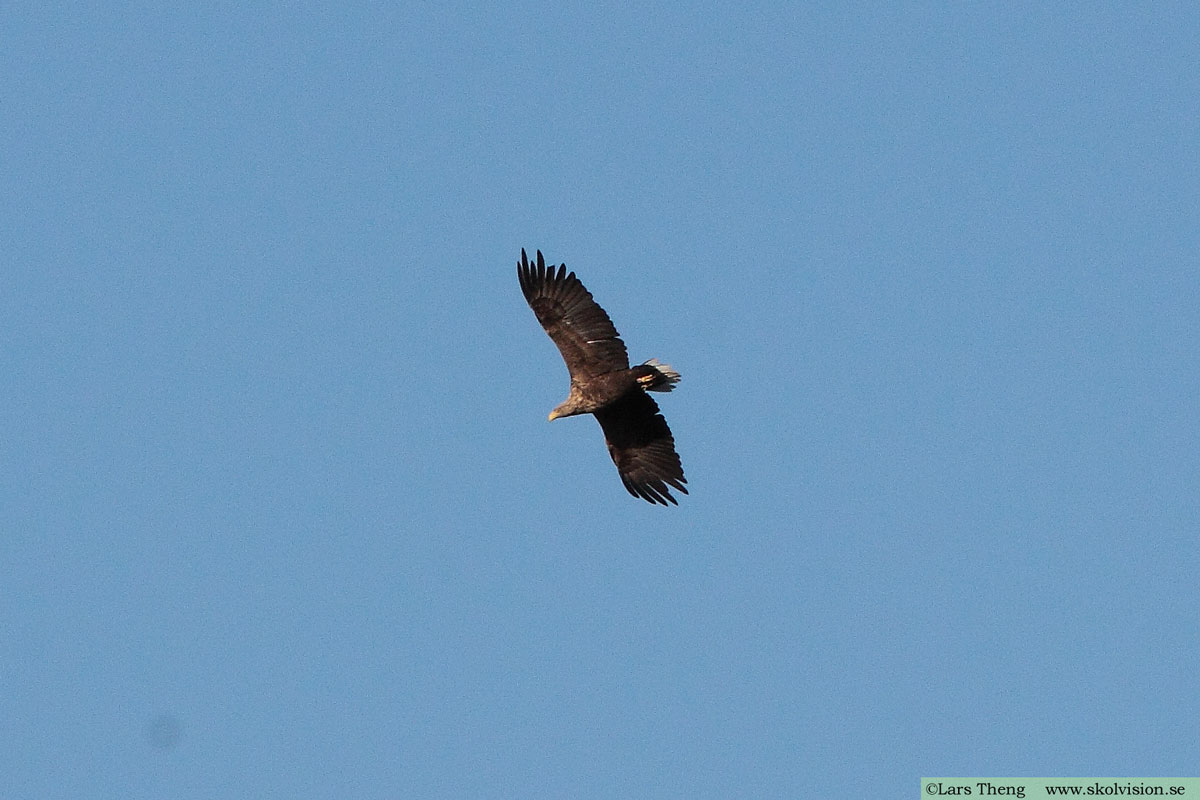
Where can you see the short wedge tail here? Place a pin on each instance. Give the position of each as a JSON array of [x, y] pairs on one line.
[[654, 376]]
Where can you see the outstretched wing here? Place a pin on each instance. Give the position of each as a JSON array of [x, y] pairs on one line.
[[583, 332], [642, 447]]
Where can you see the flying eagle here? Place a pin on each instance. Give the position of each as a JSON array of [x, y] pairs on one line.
[[603, 383]]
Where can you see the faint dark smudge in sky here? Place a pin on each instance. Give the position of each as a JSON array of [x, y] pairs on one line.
[[164, 731]]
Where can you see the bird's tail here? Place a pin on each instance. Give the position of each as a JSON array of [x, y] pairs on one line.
[[655, 376]]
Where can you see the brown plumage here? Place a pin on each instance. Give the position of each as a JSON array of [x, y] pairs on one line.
[[603, 383]]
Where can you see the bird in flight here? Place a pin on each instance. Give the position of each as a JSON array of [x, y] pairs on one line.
[[603, 384]]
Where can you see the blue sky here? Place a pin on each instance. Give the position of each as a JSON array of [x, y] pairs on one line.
[[283, 516]]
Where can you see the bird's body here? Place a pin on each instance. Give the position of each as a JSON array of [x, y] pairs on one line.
[[594, 394], [603, 383]]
